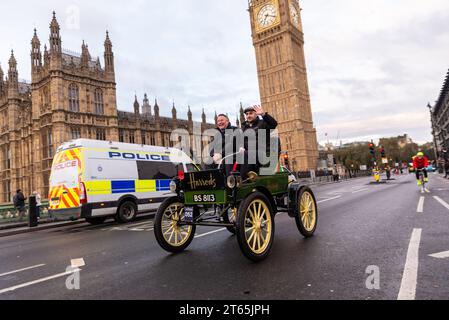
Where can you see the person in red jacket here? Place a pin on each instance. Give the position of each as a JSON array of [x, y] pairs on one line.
[[420, 162]]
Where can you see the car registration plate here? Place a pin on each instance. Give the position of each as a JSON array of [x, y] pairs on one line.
[[202, 198], [188, 214]]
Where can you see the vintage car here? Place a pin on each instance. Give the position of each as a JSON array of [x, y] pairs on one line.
[[247, 208]]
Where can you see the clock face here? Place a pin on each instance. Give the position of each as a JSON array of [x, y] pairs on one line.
[[294, 13], [267, 15]]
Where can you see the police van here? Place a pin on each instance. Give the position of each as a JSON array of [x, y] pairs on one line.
[[95, 180]]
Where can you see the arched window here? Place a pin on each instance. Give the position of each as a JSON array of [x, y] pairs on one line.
[[74, 98], [46, 98], [98, 101]]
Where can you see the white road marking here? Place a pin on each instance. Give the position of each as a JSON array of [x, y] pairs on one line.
[[420, 208], [77, 263], [361, 190], [209, 233], [444, 203], [20, 270], [129, 226], [335, 193], [111, 229], [325, 200], [410, 276], [441, 255], [133, 225], [27, 284]]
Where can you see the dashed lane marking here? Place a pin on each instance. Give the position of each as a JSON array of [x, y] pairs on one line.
[[21, 270], [209, 233], [325, 200], [361, 190], [410, 276], [143, 226], [420, 208], [27, 284]]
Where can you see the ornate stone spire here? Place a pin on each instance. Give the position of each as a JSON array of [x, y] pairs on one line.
[[36, 55], [55, 38], [189, 115], [174, 112], [108, 56], [156, 109], [85, 55], [136, 106], [46, 56], [13, 76], [242, 115], [146, 107]]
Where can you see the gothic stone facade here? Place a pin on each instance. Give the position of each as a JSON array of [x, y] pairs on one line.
[[279, 43], [70, 96], [440, 118]]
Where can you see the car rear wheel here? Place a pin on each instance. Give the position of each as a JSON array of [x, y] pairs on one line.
[[307, 215], [127, 212]]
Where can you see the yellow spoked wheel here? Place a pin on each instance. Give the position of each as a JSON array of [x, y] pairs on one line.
[[255, 227], [307, 217], [170, 233]]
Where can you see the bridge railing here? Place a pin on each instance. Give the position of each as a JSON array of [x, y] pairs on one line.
[[9, 214], [321, 176]]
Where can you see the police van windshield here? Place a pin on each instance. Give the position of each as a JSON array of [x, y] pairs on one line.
[[65, 173]]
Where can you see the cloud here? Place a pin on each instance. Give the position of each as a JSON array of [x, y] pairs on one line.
[[373, 65]]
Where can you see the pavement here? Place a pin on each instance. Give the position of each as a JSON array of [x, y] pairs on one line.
[[385, 241]]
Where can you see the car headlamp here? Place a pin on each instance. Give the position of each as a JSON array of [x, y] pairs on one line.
[[231, 182]]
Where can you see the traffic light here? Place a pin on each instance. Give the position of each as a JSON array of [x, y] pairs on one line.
[[382, 152], [286, 160], [372, 149]]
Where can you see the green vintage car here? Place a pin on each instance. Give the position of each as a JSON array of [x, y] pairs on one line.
[[247, 208]]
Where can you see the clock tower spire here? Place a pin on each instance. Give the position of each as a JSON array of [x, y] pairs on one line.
[[278, 39]]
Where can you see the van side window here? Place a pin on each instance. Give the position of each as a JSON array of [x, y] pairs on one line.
[[149, 170]]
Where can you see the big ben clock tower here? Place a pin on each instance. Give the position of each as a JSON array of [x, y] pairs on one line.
[[279, 43]]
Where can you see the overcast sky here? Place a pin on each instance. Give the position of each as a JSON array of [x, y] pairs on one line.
[[373, 65]]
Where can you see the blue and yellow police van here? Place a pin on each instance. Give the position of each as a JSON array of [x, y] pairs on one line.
[[95, 180]]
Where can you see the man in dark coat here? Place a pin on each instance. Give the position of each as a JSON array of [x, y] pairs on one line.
[[224, 144], [257, 120], [19, 204]]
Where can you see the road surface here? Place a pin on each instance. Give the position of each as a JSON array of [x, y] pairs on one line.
[[372, 242]]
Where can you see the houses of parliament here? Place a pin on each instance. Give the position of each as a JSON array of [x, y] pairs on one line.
[[71, 96]]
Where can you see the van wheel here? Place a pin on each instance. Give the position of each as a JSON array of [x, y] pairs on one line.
[[126, 212], [96, 221]]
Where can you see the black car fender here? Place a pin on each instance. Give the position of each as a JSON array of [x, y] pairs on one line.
[[294, 189]]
